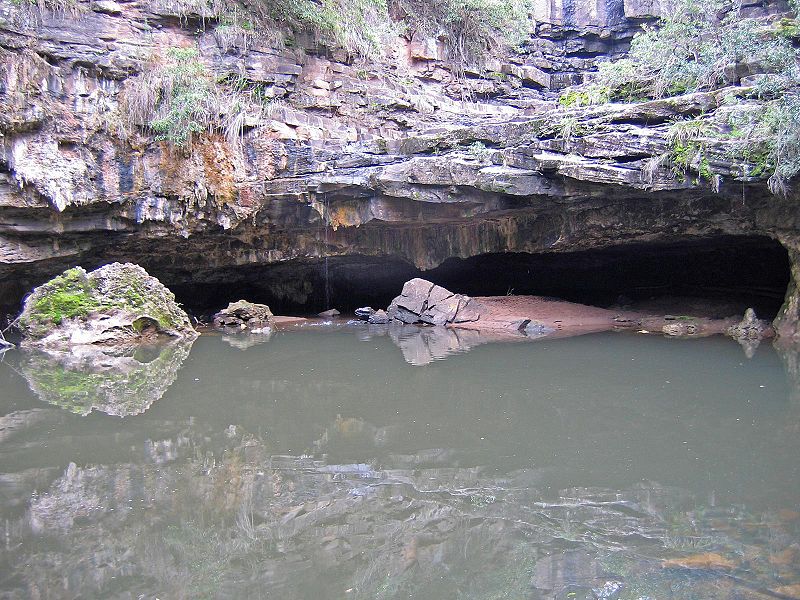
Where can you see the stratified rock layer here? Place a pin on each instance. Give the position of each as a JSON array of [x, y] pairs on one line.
[[369, 161]]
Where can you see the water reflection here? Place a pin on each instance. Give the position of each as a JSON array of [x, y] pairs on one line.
[[225, 518], [322, 465], [423, 345], [89, 378]]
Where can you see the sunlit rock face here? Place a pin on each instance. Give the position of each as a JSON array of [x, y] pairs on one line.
[[365, 161], [86, 378]]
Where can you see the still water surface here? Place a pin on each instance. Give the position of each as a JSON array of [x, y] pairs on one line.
[[347, 463]]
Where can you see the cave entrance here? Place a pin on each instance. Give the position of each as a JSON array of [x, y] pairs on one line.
[[717, 277]]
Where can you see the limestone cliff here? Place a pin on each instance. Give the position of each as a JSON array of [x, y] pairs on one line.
[[401, 159]]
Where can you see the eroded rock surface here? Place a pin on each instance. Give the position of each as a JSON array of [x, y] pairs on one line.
[[244, 315], [115, 305], [397, 158]]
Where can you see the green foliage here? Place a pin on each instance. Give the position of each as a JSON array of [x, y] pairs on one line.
[[472, 29], [359, 26], [177, 98], [688, 152], [705, 46], [187, 97], [586, 96], [767, 138], [694, 48], [479, 151]]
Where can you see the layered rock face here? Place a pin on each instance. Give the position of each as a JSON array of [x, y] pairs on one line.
[[398, 159]]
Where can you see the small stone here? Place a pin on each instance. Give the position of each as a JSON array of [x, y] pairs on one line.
[[365, 312], [329, 313], [244, 315], [379, 317], [108, 7]]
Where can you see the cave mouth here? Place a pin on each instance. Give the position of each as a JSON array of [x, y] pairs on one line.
[[717, 277]]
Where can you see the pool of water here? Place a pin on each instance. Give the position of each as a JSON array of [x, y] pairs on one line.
[[355, 462]]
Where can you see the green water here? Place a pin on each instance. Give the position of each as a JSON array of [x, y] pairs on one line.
[[348, 463]]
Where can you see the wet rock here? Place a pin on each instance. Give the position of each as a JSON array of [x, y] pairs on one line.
[[379, 317], [749, 332], [680, 329], [424, 302], [365, 312], [244, 315], [116, 305], [329, 313], [750, 327]]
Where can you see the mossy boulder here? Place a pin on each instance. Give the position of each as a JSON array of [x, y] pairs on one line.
[[115, 304]]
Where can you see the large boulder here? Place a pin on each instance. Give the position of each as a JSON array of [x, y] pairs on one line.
[[244, 315], [117, 304], [424, 302]]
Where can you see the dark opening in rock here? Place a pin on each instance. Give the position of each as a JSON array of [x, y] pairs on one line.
[[729, 273]]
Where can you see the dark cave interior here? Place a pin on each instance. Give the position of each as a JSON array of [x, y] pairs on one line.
[[728, 273]]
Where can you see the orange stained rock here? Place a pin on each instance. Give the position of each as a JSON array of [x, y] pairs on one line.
[[707, 560], [786, 515], [792, 591], [786, 557]]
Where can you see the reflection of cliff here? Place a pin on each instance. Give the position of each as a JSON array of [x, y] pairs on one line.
[[225, 518], [90, 378]]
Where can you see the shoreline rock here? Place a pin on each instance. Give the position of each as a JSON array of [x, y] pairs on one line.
[[422, 301], [244, 315], [115, 305]]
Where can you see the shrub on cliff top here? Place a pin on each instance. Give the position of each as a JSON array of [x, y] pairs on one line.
[[472, 29], [706, 45], [698, 46]]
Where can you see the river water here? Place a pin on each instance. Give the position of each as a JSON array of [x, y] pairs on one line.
[[351, 462]]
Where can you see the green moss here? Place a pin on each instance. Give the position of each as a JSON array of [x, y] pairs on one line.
[[76, 294], [66, 296]]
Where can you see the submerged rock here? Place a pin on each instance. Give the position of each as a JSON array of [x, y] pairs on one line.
[[244, 315], [117, 304], [424, 302]]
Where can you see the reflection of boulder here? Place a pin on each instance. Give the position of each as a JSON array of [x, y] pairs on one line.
[[423, 345], [93, 378], [245, 340]]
